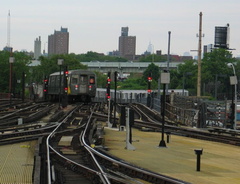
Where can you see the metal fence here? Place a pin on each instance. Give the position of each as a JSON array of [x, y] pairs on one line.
[[185, 110]]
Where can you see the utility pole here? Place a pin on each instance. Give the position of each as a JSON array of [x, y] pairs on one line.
[[199, 55], [168, 57], [8, 29]]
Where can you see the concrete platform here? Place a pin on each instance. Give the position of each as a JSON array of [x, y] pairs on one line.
[[220, 163], [17, 162]]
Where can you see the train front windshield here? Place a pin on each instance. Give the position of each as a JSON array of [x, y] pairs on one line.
[[83, 79]]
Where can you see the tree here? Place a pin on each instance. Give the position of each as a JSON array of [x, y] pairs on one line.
[[152, 58], [21, 60], [101, 79], [94, 56], [133, 83], [185, 73], [4, 65], [49, 65], [214, 64], [152, 70]]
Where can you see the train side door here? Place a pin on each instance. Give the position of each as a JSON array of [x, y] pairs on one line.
[[74, 84]]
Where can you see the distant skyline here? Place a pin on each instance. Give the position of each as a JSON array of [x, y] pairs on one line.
[[96, 25]]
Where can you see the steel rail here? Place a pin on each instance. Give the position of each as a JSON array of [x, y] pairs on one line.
[[159, 176], [103, 176], [48, 145]]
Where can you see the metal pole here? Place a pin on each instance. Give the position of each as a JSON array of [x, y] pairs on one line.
[[168, 57], [199, 55], [235, 110], [60, 88], [108, 110], [11, 60], [235, 96], [235, 100], [115, 99], [10, 85], [162, 142]]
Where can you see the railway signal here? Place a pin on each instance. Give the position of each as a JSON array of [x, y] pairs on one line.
[[115, 99], [108, 96], [108, 85], [65, 87], [149, 89], [45, 87], [65, 79]]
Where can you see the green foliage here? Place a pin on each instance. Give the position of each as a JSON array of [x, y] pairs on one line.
[[21, 60], [132, 83], [101, 79], [94, 56], [214, 66], [215, 63], [185, 74], [4, 65], [152, 70], [137, 83], [49, 65]]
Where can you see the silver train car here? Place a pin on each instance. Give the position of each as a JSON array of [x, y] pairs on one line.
[[127, 95], [81, 85]]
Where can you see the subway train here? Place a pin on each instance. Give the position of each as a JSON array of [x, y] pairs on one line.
[[78, 85], [134, 95]]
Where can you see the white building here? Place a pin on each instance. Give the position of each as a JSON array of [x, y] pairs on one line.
[[37, 48]]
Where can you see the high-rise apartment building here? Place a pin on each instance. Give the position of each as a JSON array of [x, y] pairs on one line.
[[127, 45], [37, 48], [124, 31], [58, 42]]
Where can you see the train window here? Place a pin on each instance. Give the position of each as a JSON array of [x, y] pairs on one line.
[[74, 79], [51, 80], [92, 80], [83, 78]]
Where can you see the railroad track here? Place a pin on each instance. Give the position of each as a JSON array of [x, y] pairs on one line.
[[84, 158], [5, 104], [83, 161], [150, 120], [25, 133], [27, 113]]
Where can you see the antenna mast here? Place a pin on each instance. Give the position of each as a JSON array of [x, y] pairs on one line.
[[8, 30]]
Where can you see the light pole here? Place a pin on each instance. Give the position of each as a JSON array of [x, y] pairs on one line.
[[60, 63], [168, 56], [11, 61], [165, 79], [233, 81]]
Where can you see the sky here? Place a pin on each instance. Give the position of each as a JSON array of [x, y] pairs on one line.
[[95, 25]]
